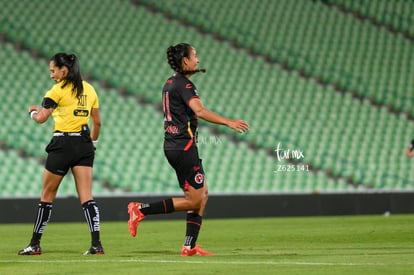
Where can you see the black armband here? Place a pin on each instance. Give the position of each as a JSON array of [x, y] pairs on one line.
[[48, 103]]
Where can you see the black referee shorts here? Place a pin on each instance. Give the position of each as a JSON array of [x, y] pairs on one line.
[[188, 167], [65, 152]]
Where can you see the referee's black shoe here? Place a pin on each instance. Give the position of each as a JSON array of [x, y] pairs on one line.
[[95, 250], [31, 250]]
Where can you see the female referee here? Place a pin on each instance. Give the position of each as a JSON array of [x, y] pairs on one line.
[[71, 102], [182, 107]]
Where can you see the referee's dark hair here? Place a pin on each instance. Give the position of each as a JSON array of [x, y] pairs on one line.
[[175, 55], [74, 76]]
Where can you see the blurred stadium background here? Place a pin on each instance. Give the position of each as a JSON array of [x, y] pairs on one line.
[[332, 79]]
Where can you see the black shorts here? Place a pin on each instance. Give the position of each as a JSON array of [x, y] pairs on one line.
[[65, 152], [188, 167]]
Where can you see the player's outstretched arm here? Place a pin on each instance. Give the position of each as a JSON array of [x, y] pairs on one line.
[[203, 113]]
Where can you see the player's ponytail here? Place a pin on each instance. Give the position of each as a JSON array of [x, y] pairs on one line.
[[175, 55], [74, 76]]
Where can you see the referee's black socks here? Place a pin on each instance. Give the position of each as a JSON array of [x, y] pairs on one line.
[[91, 211], [161, 207], [44, 211]]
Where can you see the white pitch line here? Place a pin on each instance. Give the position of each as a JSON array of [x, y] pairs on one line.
[[203, 262]]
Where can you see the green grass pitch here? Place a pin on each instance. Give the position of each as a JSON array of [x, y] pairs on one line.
[[297, 245]]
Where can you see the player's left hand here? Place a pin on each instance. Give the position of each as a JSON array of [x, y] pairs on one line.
[[239, 126]]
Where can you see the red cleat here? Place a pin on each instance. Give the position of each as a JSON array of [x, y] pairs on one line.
[[196, 251], [135, 217]]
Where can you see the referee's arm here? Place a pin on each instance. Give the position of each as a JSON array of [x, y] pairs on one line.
[[96, 123], [40, 115]]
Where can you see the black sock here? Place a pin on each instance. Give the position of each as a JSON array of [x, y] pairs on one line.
[[161, 207], [91, 211], [44, 212], [193, 228]]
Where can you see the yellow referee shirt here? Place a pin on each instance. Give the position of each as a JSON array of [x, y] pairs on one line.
[[72, 112]]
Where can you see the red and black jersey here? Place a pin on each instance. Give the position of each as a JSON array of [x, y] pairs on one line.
[[180, 122]]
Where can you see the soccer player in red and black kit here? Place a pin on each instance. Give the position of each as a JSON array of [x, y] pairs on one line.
[[182, 107], [409, 152]]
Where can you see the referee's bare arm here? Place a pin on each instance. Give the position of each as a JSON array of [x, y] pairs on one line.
[[40, 115], [96, 123]]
